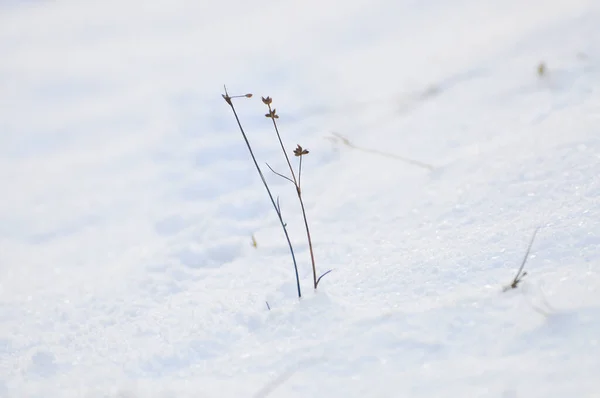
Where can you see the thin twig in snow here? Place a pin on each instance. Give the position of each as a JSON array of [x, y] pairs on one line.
[[520, 274]]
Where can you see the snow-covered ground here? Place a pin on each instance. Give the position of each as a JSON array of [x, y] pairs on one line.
[[128, 200]]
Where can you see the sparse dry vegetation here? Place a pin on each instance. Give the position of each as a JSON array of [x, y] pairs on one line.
[[520, 273], [229, 99], [294, 178]]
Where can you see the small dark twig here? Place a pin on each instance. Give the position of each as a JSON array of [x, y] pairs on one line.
[[413, 162], [520, 274], [325, 273], [279, 174], [268, 306]]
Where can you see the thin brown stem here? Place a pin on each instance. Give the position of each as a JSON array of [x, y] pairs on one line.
[[296, 182], [310, 247], [287, 158], [299, 171]]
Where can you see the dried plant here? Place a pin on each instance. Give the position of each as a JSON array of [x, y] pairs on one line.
[[299, 152], [520, 274], [345, 141], [276, 206]]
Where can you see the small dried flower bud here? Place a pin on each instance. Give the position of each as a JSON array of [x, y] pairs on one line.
[[299, 151], [272, 114], [267, 101], [249, 95]]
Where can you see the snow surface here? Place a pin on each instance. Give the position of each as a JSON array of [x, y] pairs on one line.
[[128, 201]]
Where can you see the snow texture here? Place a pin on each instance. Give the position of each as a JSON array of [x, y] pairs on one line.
[[128, 200]]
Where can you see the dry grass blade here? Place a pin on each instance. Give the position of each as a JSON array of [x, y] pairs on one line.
[[520, 274], [413, 162]]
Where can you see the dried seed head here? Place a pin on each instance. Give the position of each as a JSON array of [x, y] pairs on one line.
[[267, 101], [228, 97], [299, 151], [272, 114]]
